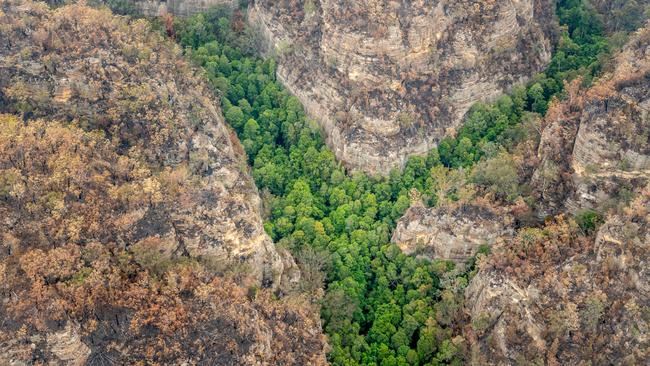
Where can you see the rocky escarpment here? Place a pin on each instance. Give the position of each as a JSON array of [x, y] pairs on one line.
[[387, 79], [559, 294], [182, 8], [552, 296], [450, 233], [129, 225], [595, 146], [140, 93]]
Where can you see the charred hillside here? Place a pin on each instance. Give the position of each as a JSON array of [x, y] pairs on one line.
[[131, 230]]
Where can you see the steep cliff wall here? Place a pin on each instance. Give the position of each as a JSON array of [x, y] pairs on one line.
[[595, 145], [559, 296], [450, 233], [552, 296], [387, 79], [182, 8], [130, 230]]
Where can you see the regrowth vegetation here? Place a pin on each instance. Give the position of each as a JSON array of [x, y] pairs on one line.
[[379, 306]]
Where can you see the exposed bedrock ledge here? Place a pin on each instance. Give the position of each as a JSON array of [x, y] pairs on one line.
[[450, 233], [568, 310], [182, 8]]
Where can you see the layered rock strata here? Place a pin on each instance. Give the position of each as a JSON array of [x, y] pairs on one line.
[[130, 230], [139, 91], [182, 8], [555, 297], [387, 79], [560, 295], [595, 146], [450, 233]]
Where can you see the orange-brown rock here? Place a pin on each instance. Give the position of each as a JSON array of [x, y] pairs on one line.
[[102, 74], [182, 8], [450, 232], [553, 296], [559, 294]]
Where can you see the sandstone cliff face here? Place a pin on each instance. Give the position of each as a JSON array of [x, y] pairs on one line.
[[595, 147], [387, 79], [449, 233], [554, 297], [143, 95], [182, 8]]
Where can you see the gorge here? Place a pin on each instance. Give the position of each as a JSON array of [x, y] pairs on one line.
[[166, 199]]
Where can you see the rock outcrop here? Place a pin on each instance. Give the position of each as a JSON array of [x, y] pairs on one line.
[[130, 230], [387, 79], [182, 8], [552, 296], [450, 233], [595, 146], [67, 346]]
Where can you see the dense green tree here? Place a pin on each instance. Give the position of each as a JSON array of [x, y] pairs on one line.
[[537, 99]]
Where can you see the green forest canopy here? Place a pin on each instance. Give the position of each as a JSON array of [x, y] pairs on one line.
[[380, 306]]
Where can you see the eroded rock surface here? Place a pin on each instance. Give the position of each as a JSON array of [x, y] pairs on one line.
[[595, 147], [182, 8], [66, 345], [559, 295], [554, 297], [387, 79], [450, 233]]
